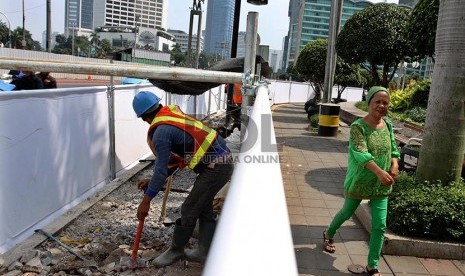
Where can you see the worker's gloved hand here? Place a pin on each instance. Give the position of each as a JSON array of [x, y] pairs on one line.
[[144, 208], [143, 184]]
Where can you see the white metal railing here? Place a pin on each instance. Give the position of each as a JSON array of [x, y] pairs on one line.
[[253, 236]]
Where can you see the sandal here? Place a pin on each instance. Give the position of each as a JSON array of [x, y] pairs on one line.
[[373, 272], [328, 244]]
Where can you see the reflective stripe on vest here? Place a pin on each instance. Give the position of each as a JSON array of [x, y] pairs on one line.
[[203, 135]]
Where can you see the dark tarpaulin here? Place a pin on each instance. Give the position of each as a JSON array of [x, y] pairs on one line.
[[196, 88]]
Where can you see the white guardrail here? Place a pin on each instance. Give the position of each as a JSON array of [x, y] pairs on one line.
[[253, 236]]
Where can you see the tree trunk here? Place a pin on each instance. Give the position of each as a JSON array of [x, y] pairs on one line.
[[442, 150]]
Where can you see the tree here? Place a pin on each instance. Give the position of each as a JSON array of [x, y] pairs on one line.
[[178, 57], [421, 28], [442, 150], [4, 33], [17, 38], [311, 66], [375, 37]]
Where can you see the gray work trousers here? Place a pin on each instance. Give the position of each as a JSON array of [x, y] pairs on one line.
[[199, 202]]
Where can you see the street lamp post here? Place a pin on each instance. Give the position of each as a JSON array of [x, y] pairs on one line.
[[72, 39], [9, 29]]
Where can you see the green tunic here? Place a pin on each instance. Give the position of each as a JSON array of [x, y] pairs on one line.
[[365, 145]]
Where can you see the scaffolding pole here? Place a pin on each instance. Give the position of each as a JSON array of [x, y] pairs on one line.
[[128, 70]]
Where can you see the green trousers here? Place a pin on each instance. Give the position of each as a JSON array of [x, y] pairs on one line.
[[378, 225]]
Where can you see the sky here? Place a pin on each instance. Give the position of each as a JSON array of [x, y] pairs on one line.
[[273, 21]]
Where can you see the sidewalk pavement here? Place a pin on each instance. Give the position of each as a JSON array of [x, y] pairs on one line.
[[313, 169]]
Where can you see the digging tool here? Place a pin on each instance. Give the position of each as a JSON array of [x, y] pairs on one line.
[[134, 261], [165, 199], [61, 244]]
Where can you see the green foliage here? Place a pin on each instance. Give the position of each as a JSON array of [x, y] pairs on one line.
[[4, 33], [362, 106], [400, 99], [314, 120], [312, 61], [17, 38], [311, 65], [421, 93], [421, 28], [416, 114], [427, 210], [375, 35], [177, 56]]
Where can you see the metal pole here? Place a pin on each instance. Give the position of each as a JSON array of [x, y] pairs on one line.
[[111, 126], [249, 66], [49, 27], [133, 70], [334, 22], [189, 41], [199, 30], [23, 42], [72, 41]]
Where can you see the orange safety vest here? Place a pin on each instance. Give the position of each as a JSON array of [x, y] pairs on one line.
[[203, 135]]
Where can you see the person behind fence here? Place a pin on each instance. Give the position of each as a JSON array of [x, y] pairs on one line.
[[179, 140], [29, 81], [372, 170], [48, 80]]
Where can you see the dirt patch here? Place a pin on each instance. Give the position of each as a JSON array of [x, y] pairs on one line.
[[105, 233]]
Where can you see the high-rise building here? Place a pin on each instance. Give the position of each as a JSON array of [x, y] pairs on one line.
[[84, 16], [219, 27], [309, 21], [182, 38], [78, 16], [146, 13], [275, 60]]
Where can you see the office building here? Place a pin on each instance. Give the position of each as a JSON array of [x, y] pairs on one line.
[[83, 16], [275, 60], [219, 27], [79, 17], [182, 38], [309, 21]]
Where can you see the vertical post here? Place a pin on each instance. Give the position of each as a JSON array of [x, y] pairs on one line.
[[72, 39], [189, 40], [111, 126], [199, 30], [334, 23], [23, 42], [48, 43], [209, 101], [249, 66]]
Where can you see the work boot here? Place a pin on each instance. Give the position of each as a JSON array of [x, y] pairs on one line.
[[181, 236], [206, 231]]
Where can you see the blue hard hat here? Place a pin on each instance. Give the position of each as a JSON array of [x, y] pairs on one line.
[[143, 101]]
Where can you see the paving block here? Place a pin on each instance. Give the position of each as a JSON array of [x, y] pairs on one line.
[[440, 267], [405, 264]]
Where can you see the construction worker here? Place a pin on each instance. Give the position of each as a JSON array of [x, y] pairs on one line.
[[179, 140]]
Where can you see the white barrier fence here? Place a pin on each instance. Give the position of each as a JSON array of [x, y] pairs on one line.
[[54, 149], [253, 236], [54, 146]]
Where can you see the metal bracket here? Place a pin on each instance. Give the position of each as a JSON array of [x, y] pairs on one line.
[[247, 88]]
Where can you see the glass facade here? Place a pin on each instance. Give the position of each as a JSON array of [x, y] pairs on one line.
[[219, 27], [315, 21]]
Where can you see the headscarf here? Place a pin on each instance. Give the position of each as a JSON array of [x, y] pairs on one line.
[[374, 90]]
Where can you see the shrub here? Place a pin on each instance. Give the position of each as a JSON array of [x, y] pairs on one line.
[[400, 99], [427, 210], [421, 93], [416, 114], [314, 120]]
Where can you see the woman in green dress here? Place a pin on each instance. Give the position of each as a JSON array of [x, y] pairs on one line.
[[373, 168]]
